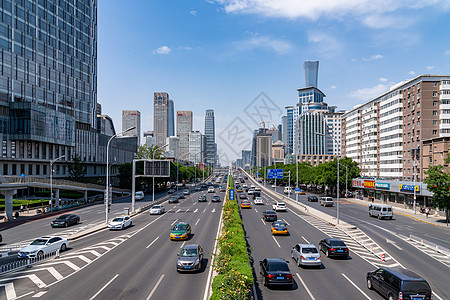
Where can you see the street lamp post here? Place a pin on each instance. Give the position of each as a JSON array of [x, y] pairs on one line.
[[51, 180], [107, 170], [153, 181], [296, 166], [346, 179]]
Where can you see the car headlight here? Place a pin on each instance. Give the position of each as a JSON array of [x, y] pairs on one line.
[[197, 262], [178, 263]]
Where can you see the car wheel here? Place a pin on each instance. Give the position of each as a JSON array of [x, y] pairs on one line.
[[369, 284], [370, 215], [131, 224], [328, 253], [40, 254], [63, 247], [379, 217]]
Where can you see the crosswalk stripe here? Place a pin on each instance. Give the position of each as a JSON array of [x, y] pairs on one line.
[[39, 294], [67, 263], [10, 291], [83, 258]]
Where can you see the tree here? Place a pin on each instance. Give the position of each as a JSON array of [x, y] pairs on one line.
[[153, 151], [77, 169], [438, 182], [124, 176]]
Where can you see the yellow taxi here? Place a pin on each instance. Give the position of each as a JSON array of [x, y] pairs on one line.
[[245, 204], [180, 231], [302, 192], [279, 227], [239, 190]]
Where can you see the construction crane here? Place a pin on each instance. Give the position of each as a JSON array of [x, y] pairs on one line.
[[264, 125]]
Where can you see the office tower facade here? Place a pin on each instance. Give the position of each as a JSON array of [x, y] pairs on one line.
[[184, 127], [161, 117], [170, 118], [263, 150], [246, 158], [210, 138], [288, 130], [311, 70], [173, 147], [149, 138], [132, 118], [196, 144]]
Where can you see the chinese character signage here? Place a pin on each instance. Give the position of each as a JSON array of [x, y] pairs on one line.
[[369, 184], [409, 187]]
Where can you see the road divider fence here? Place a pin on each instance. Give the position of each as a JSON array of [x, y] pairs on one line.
[[28, 262], [430, 245]]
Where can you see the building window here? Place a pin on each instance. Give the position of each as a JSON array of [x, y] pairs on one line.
[[38, 170], [30, 169], [434, 95], [434, 132], [435, 149], [435, 83], [5, 169], [431, 159], [435, 162], [14, 169], [434, 112], [435, 103], [434, 122]]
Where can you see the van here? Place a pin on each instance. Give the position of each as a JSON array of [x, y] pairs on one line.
[[380, 211], [326, 201], [398, 283], [287, 189], [139, 195]]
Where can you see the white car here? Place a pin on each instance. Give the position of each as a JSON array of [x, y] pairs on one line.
[[287, 190], [306, 255], [157, 210], [250, 192], [258, 201], [326, 201], [139, 195], [210, 189], [274, 186], [120, 222], [279, 206], [42, 246]]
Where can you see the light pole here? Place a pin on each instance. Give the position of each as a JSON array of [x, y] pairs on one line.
[[414, 174], [107, 170], [296, 166], [346, 179], [153, 181], [337, 185], [51, 180], [178, 166]]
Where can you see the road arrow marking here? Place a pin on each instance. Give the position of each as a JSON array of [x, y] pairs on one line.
[[393, 243], [214, 210]]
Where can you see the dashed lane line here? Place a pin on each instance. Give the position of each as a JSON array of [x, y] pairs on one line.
[[305, 240], [182, 245], [197, 222], [155, 287], [104, 287], [306, 288], [149, 245], [364, 294], [174, 222], [276, 241]]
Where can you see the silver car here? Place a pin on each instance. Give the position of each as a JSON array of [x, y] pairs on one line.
[[157, 210], [190, 258], [306, 255]]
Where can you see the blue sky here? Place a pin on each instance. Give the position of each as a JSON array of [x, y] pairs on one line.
[[222, 54]]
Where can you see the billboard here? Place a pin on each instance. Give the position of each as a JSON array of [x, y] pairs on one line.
[[275, 173], [156, 168]]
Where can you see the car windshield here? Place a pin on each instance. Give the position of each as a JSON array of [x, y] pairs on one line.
[[156, 207], [39, 242], [189, 252], [280, 204], [117, 220], [337, 243], [278, 266], [62, 217], [180, 227], [309, 250], [415, 287], [279, 224]]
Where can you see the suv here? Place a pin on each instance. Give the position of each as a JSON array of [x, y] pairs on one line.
[[312, 199], [139, 195], [326, 201], [270, 215], [275, 271], [190, 258], [398, 283]]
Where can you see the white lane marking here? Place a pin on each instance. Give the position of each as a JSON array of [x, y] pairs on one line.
[[393, 243], [195, 210], [182, 244], [178, 210], [306, 288], [434, 295], [214, 210], [88, 251], [152, 242], [263, 222], [365, 295], [67, 263], [174, 222], [82, 257], [286, 222], [104, 287], [155, 287], [276, 241], [10, 291], [197, 222], [39, 294], [305, 240], [256, 210], [204, 209], [55, 273]]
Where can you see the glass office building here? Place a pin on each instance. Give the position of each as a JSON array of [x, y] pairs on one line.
[[311, 69], [210, 138]]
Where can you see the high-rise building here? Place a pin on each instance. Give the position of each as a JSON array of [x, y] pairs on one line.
[[311, 69], [263, 150], [196, 144], [149, 138], [288, 130], [210, 158], [161, 112], [184, 127], [170, 118], [173, 147], [132, 118], [246, 158]]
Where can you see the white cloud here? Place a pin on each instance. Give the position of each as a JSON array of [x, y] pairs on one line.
[[164, 50], [447, 52], [382, 79], [365, 94], [263, 42], [412, 73], [186, 48], [193, 12], [429, 68], [326, 44], [379, 21], [373, 57], [333, 87]]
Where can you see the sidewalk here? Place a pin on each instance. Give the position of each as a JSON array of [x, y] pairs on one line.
[[432, 219]]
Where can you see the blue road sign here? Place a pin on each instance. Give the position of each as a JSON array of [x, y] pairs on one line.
[[231, 194], [275, 173], [259, 173], [297, 189]]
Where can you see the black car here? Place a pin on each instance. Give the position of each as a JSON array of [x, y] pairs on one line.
[[65, 220], [312, 199], [180, 195], [203, 185], [275, 271], [242, 196], [333, 247], [171, 191], [270, 215], [173, 199], [392, 282], [215, 198], [202, 198]]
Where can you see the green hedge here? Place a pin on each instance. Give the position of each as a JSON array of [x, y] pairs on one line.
[[17, 203], [235, 277]]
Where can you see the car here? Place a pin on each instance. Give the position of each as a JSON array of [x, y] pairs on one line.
[[65, 220], [180, 195], [221, 189], [180, 231], [171, 191], [245, 204], [287, 189], [239, 190], [252, 186], [42, 246], [333, 247], [275, 271], [312, 199], [173, 199], [326, 201], [202, 198], [250, 191], [211, 189], [301, 192], [190, 258], [139, 195], [279, 206], [203, 186], [279, 227], [270, 215], [157, 209], [381, 211], [395, 282], [186, 192], [198, 188], [245, 186], [120, 223], [274, 186], [215, 198], [242, 196], [258, 201], [306, 255]]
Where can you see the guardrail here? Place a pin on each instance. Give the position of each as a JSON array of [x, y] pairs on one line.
[[431, 245], [27, 262], [11, 248]]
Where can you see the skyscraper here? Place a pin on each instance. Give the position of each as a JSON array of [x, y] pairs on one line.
[[170, 119], [210, 138], [311, 69], [132, 118], [184, 127], [161, 117]]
